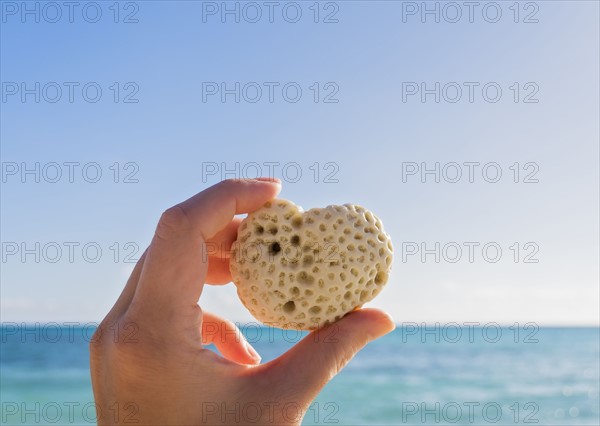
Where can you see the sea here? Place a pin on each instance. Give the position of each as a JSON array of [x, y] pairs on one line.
[[460, 374]]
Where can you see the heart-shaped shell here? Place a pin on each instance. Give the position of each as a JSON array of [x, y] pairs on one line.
[[302, 270]]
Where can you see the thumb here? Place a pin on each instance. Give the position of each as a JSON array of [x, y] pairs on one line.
[[317, 358]]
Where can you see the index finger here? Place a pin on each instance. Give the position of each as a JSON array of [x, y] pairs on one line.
[[175, 268]]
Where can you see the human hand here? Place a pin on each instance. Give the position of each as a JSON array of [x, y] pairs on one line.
[[163, 375]]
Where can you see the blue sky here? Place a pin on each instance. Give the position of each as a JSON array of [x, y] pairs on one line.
[[370, 135]]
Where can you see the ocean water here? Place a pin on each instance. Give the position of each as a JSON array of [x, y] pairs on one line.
[[415, 375]]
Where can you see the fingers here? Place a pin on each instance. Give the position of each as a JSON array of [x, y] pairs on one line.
[[228, 339], [309, 365], [218, 271], [218, 249], [220, 244], [126, 296], [175, 267]]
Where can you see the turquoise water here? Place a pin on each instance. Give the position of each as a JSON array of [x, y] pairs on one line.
[[546, 376]]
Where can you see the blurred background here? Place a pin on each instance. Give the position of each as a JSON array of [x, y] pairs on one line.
[[470, 128]]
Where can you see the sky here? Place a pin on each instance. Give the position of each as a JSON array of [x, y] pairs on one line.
[[472, 133]]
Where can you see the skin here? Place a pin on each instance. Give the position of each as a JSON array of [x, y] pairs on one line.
[[148, 364]]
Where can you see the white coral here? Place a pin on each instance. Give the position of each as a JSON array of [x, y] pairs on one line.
[[302, 270]]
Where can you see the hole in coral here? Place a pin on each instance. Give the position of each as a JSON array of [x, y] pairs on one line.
[[304, 278], [289, 307], [381, 278], [274, 248], [297, 221], [295, 240]]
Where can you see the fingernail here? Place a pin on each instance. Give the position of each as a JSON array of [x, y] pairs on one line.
[[391, 323], [252, 352], [384, 325], [269, 179]]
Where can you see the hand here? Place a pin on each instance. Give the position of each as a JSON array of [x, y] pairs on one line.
[[162, 375]]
